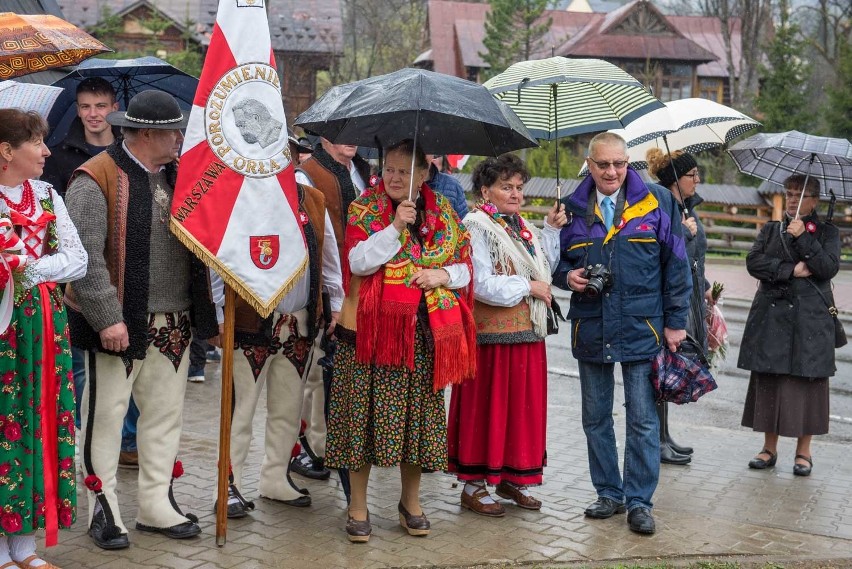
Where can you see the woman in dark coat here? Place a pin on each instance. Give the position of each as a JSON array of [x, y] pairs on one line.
[[678, 173], [788, 342]]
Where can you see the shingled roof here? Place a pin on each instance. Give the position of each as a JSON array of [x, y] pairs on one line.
[[456, 31], [612, 36], [306, 26]]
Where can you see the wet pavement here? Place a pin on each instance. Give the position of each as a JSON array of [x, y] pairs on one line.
[[716, 506]]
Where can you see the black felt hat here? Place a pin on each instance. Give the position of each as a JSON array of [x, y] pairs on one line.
[[150, 109]]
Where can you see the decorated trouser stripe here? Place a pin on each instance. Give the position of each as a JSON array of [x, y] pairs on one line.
[[313, 406], [158, 386], [284, 379]]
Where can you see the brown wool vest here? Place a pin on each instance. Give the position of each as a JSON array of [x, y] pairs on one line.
[[246, 319], [327, 183], [492, 322], [115, 186]]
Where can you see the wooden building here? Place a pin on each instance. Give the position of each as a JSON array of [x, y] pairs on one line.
[[306, 34], [677, 56]]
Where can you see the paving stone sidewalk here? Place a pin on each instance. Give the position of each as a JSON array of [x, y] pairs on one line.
[[715, 506]]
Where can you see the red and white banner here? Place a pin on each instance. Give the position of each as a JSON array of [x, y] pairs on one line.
[[235, 202]]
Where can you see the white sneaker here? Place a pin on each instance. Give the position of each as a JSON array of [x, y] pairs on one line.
[[195, 379]]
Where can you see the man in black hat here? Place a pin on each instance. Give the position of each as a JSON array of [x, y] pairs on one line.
[[132, 313]]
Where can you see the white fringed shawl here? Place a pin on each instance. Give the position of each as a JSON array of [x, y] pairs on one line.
[[506, 252]]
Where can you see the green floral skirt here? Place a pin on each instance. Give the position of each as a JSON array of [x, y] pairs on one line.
[[385, 415], [22, 488]]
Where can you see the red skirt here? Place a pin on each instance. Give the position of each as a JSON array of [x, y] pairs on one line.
[[497, 423]]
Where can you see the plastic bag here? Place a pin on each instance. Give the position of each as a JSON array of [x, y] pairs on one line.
[[717, 334]]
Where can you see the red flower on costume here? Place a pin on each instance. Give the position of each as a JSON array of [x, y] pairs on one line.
[[8, 378], [811, 227], [373, 180], [5, 468], [66, 463], [12, 431], [66, 418], [375, 225], [526, 235], [66, 517], [93, 483], [11, 522], [177, 470]]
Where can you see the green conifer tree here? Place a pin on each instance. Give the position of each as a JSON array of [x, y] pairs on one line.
[[838, 113], [783, 100], [514, 30]]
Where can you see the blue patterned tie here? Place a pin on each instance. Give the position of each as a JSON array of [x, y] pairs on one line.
[[608, 211]]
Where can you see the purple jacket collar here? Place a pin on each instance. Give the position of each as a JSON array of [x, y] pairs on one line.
[[633, 185]]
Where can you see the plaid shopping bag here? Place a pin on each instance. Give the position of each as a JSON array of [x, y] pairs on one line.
[[683, 376]]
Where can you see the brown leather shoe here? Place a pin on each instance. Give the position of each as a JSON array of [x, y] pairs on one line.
[[510, 492], [128, 459], [475, 505], [416, 525], [359, 531]]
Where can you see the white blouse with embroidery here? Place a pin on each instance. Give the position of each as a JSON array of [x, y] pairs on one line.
[[69, 261]]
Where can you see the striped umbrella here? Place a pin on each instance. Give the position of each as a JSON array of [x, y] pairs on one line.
[[560, 97], [776, 156], [690, 125]]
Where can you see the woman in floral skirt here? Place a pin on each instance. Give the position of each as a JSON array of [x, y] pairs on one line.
[[40, 248], [405, 332]]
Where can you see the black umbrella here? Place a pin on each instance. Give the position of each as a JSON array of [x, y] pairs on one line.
[[128, 77], [444, 114]]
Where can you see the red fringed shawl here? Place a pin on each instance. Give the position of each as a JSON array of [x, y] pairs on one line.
[[387, 305]]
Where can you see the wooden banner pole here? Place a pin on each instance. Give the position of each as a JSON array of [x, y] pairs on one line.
[[225, 417]]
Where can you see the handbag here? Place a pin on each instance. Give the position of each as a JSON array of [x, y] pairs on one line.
[[683, 376], [554, 315], [839, 333]]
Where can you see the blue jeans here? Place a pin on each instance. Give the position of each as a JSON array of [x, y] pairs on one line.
[[642, 451], [128, 429], [78, 365]]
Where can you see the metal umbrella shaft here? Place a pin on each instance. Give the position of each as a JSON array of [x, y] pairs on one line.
[[805, 185]]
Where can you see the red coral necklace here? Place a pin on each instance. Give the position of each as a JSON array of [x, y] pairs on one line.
[[26, 206]]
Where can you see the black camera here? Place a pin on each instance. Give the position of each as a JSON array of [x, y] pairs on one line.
[[600, 279]]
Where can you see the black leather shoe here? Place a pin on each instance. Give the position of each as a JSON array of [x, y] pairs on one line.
[[604, 508], [640, 520], [801, 469], [679, 449], [180, 531], [314, 469], [104, 537], [759, 464], [300, 502], [669, 456]]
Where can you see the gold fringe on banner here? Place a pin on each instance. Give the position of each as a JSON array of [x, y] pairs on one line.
[[230, 278]]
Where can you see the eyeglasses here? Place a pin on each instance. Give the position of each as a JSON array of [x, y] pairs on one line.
[[693, 175], [618, 164], [798, 195]]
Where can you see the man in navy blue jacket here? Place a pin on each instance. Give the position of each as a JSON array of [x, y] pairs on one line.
[[615, 222]]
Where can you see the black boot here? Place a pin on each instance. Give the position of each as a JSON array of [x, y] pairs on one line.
[[669, 456], [665, 436]]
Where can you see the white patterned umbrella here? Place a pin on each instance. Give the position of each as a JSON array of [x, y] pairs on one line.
[[28, 96], [776, 156], [690, 125]]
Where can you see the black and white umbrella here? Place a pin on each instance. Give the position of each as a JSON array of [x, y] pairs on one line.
[[558, 96], [776, 156]]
